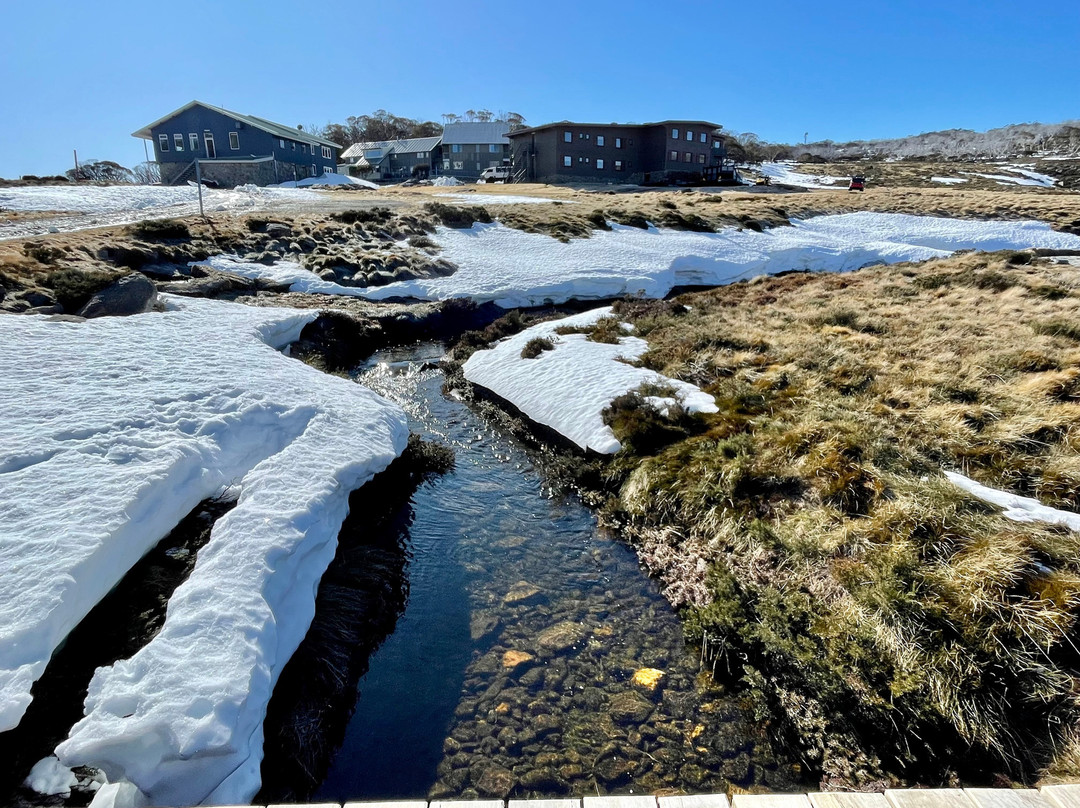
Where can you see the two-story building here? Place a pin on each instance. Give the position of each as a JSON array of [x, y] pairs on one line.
[[393, 159], [668, 152], [468, 147], [235, 149]]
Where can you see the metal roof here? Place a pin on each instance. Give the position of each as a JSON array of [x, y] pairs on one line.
[[412, 144], [476, 132], [528, 130], [275, 129]]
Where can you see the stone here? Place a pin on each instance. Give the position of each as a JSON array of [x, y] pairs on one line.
[[511, 659], [629, 707], [451, 746], [541, 779], [132, 294], [560, 636], [494, 781], [482, 624], [278, 229], [36, 298], [647, 679], [546, 724], [614, 769], [522, 593]]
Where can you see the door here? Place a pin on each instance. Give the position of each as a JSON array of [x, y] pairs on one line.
[[211, 152]]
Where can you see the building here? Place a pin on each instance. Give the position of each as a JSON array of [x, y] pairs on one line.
[[234, 149], [470, 147], [668, 152], [393, 159]]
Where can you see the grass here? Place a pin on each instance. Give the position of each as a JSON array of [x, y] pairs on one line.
[[808, 533], [536, 346], [74, 288], [160, 230], [606, 329], [462, 217]]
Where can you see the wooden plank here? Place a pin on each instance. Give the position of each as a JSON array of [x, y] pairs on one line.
[[616, 801], [847, 799], [770, 801], [928, 798], [1007, 798], [1064, 796], [695, 801]]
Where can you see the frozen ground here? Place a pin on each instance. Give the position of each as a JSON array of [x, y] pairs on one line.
[[784, 173], [113, 430], [81, 207], [567, 388], [502, 199]]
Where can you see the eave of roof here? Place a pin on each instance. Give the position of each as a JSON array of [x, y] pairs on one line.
[[276, 129], [530, 129]]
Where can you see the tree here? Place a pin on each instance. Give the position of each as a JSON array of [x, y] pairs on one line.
[[147, 173], [514, 119], [100, 171], [484, 115]]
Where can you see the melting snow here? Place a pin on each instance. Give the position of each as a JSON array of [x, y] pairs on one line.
[[949, 180], [568, 388], [1017, 508], [784, 173], [51, 778], [502, 199], [113, 430]]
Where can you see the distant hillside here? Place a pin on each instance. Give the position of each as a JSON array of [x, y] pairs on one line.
[[1017, 140]]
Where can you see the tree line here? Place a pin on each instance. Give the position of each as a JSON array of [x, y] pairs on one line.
[[383, 125]]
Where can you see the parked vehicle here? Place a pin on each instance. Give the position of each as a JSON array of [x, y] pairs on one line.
[[494, 174], [858, 183]]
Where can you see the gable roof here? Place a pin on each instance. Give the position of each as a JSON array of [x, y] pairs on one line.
[[412, 144], [529, 130], [275, 129], [476, 132]]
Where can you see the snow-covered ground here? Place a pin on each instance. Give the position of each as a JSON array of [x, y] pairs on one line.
[[88, 206], [502, 199], [1015, 507], [784, 173], [113, 430], [949, 180], [1018, 175], [568, 388], [327, 180]]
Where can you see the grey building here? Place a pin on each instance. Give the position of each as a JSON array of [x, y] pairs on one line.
[[234, 149], [667, 152], [393, 159], [470, 147]]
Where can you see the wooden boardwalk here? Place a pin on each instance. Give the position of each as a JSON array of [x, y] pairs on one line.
[[1064, 796]]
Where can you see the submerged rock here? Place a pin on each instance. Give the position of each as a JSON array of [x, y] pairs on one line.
[[522, 593], [560, 636], [629, 707]]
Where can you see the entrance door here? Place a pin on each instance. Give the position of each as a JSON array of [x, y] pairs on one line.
[[211, 152]]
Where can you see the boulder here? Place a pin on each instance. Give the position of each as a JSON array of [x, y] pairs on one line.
[[629, 708], [132, 294]]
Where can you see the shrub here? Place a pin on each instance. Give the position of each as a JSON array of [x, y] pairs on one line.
[[598, 220], [606, 329], [629, 219], [641, 427], [74, 287], [845, 318], [458, 217], [668, 204], [423, 242], [376, 215], [160, 230], [536, 346]]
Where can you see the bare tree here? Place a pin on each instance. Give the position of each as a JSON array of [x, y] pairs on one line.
[[147, 173], [484, 115], [100, 171]]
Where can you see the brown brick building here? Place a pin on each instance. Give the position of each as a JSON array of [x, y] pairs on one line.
[[660, 153]]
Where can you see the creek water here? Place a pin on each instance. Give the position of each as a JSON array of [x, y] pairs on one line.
[[533, 656]]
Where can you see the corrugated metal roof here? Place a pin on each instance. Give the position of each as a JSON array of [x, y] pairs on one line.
[[413, 144], [276, 129], [476, 132], [681, 123]]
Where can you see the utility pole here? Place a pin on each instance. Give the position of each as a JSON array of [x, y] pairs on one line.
[[76, 153]]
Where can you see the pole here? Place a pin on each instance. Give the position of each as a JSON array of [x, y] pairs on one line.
[[146, 154], [76, 153], [198, 182]]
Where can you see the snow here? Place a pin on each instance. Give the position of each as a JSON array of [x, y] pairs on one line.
[[99, 206], [113, 430], [1026, 177], [784, 173], [283, 272], [445, 182], [949, 180], [327, 180], [568, 388], [503, 199], [1016, 508], [50, 777]]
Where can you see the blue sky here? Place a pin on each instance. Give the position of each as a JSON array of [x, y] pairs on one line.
[[84, 76]]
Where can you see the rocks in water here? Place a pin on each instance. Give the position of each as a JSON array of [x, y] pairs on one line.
[[511, 659], [132, 294], [560, 637], [629, 707], [647, 680], [482, 624], [494, 781], [523, 593]]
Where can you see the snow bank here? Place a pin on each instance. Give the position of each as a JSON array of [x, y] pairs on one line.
[[784, 173], [327, 180], [51, 778], [113, 430], [949, 180], [503, 199], [445, 182], [568, 388], [1016, 508], [1018, 176], [290, 272]]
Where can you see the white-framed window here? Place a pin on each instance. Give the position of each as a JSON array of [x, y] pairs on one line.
[[568, 161], [303, 148], [689, 135], [178, 142], [599, 140], [618, 143], [326, 153], [716, 144], [446, 165], [675, 134], [163, 142], [494, 148], [193, 141], [618, 165], [234, 140], [568, 137], [599, 162], [459, 165], [313, 169], [673, 156], [704, 138], [281, 142], [456, 148], [314, 147], [327, 170], [420, 155]]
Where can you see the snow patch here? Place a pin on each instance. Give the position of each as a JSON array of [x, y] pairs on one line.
[[568, 388], [949, 180], [327, 180], [446, 182], [1015, 507], [784, 173], [51, 778], [503, 199]]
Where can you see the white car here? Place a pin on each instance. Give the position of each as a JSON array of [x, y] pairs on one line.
[[494, 174]]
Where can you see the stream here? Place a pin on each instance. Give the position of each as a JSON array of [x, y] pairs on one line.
[[532, 656]]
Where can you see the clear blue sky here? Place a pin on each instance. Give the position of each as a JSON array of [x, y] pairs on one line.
[[85, 75]]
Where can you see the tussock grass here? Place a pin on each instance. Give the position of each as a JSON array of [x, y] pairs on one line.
[[605, 329], [536, 346], [462, 217], [160, 230], [807, 530]]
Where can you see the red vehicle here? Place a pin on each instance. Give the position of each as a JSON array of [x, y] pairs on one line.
[[858, 183]]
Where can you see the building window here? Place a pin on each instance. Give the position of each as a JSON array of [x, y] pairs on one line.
[[163, 142], [584, 136], [193, 141], [567, 137], [313, 147], [567, 161], [420, 155], [674, 157], [313, 169], [458, 165], [494, 148], [689, 135], [178, 142], [675, 134], [618, 143], [326, 153], [599, 162], [599, 140], [478, 167], [291, 143], [327, 170], [704, 138], [446, 165], [234, 140], [456, 148], [618, 165], [716, 144], [688, 157], [281, 143], [303, 148], [701, 159]]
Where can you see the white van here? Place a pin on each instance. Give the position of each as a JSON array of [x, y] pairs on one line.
[[494, 174]]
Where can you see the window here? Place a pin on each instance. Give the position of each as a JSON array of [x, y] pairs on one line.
[[618, 165], [478, 167], [704, 138], [599, 140], [600, 162], [420, 155], [456, 148], [567, 137], [163, 142], [291, 143], [313, 169], [618, 143], [446, 165], [193, 141], [281, 143], [567, 161], [178, 142], [583, 159], [716, 144], [675, 134], [688, 157], [326, 153], [458, 165], [583, 136], [328, 170], [674, 157], [303, 148], [689, 135], [701, 159], [313, 147], [234, 140], [494, 148]]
